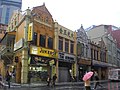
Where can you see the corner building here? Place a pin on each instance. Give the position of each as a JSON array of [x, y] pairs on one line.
[[35, 56]]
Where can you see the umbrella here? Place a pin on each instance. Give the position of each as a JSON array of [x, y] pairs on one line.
[[87, 76]]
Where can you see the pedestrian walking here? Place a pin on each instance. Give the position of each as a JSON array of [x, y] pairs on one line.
[[1, 83], [54, 79], [97, 80], [29, 77], [48, 80], [86, 80], [8, 77], [87, 84]]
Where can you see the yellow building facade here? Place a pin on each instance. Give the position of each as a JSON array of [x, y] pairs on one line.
[[65, 43], [35, 56]]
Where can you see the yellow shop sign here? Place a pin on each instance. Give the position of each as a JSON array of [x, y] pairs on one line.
[[43, 52], [30, 32]]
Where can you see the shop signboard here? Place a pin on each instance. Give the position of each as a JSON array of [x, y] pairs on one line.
[[40, 51], [66, 57], [18, 44], [30, 32], [85, 62]]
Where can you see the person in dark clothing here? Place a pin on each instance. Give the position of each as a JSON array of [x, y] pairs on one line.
[[1, 84], [0, 77], [54, 79], [48, 80], [97, 80], [75, 78], [92, 78], [8, 77], [29, 77]]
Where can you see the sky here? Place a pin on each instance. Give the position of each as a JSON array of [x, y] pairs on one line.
[[72, 13]]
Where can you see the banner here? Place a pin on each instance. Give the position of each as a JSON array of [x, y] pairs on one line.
[[30, 32]]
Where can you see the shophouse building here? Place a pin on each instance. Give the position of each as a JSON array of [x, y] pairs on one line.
[[104, 32], [42, 54], [34, 53], [99, 61], [65, 43], [116, 35], [91, 55], [83, 53]]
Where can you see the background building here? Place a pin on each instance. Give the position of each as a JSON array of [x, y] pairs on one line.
[[99, 58], [116, 35], [6, 9], [118, 57], [104, 32]]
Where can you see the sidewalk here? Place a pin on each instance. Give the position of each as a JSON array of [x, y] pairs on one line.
[[32, 85]]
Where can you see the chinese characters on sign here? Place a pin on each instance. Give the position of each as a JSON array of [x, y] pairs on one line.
[[66, 32], [30, 32]]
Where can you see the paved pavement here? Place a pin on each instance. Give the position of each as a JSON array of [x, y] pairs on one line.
[[33, 85]]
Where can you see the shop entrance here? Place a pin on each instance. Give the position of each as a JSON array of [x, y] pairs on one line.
[[38, 74], [64, 75], [82, 70]]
